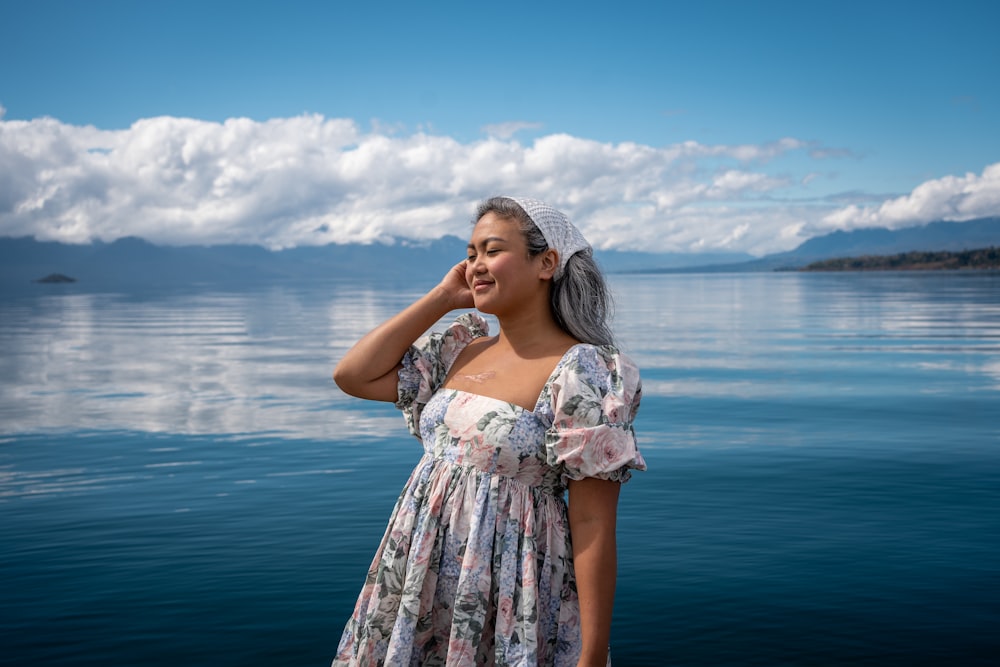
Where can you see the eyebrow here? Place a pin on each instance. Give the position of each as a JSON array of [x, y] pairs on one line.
[[487, 240]]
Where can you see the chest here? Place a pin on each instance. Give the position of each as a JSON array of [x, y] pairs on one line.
[[519, 382]]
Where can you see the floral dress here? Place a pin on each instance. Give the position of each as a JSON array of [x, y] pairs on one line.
[[476, 567]]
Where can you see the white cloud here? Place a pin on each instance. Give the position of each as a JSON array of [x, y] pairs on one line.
[[508, 130], [311, 180], [954, 198]]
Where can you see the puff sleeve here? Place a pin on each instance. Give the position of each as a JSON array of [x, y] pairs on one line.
[[594, 396], [426, 364]]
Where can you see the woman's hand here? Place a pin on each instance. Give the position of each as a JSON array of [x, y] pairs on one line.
[[456, 287]]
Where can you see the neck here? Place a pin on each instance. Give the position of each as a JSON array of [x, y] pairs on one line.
[[531, 329]]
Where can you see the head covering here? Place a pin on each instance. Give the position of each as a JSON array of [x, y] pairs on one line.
[[561, 234]]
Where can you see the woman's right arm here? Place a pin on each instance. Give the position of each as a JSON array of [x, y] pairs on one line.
[[369, 369]]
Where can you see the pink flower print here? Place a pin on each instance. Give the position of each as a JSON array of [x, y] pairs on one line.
[[480, 452], [437, 502], [460, 404], [528, 573], [608, 452], [461, 419], [614, 408], [505, 616], [572, 450], [426, 369], [460, 651], [422, 559], [462, 335]]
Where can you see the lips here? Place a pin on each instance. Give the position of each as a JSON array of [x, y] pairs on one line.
[[480, 284]]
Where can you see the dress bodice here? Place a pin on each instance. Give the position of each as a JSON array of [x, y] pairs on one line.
[[491, 435]]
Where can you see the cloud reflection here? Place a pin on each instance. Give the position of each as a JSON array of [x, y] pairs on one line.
[[260, 361], [196, 364]]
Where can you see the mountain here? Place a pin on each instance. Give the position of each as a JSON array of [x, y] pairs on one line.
[[133, 262], [935, 236]]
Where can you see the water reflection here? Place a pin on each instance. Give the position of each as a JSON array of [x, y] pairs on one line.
[[715, 332], [203, 363], [260, 361], [821, 485]]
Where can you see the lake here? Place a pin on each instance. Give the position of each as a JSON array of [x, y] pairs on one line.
[[181, 483]]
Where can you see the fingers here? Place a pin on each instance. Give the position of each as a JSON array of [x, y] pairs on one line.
[[460, 270]]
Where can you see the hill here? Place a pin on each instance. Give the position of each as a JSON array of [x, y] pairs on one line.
[[981, 259]]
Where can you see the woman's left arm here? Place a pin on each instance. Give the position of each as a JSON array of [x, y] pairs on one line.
[[593, 510]]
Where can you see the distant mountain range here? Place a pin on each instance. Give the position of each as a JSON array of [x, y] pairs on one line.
[[135, 262], [936, 236]]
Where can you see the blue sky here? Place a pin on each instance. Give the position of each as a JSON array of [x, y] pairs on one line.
[[680, 126]]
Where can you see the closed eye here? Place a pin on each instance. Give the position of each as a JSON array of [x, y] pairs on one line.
[[489, 253]]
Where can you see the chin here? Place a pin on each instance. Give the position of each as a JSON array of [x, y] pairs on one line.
[[485, 306]]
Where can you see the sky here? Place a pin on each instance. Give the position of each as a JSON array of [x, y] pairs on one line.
[[710, 126]]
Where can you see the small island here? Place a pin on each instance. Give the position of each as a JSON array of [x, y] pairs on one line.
[[56, 278], [981, 259]]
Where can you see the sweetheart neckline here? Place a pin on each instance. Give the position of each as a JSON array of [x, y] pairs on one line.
[[552, 376]]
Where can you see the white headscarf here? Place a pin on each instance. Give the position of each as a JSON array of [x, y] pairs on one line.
[[561, 234]]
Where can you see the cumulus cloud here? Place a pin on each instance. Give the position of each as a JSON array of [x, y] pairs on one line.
[[954, 198], [312, 180]]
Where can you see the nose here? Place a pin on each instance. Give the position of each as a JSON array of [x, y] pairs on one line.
[[477, 265]]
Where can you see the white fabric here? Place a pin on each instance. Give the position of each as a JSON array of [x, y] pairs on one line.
[[561, 234]]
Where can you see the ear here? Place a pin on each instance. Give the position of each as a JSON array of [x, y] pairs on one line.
[[549, 264]]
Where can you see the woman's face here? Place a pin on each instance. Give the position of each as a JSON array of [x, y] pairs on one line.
[[499, 271]]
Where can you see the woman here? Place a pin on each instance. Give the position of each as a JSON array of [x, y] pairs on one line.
[[477, 566]]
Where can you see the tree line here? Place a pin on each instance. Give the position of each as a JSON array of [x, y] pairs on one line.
[[982, 258]]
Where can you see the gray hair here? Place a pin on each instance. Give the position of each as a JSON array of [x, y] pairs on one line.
[[580, 301]]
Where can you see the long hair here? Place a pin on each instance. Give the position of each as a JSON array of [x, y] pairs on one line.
[[580, 301]]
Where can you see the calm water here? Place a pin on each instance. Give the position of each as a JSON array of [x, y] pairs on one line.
[[182, 484]]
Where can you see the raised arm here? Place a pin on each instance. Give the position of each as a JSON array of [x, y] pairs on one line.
[[369, 369]]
